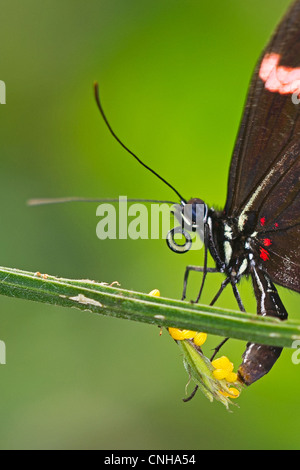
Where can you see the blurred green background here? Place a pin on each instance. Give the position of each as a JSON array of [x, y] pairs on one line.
[[173, 77]]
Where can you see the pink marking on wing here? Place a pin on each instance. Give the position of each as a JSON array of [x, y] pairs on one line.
[[272, 83], [270, 61], [290, 88], [284, 74], [280, 79]]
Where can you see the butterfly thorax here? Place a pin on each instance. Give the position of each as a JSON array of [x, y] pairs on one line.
[[229, 244]]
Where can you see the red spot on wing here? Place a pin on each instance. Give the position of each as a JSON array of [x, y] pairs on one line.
[[278, 78], [267, 242], [262, 221], [264, 254]]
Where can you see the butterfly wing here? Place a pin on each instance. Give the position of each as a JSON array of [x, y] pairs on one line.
[[265, 169], [277, 242]]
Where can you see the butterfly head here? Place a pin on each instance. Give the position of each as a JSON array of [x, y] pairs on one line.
[[192, 216]]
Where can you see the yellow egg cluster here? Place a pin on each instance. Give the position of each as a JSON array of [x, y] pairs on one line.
[[179, 335], [224, 371], [198, 338], [223, 368]]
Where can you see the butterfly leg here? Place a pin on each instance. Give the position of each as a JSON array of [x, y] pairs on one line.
[[191, 395], [217, 349], [237, 295], [198, 269], [258, 359], [223, 285], [240, 304]]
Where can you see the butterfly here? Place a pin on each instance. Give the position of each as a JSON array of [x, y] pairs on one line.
[[257, 233]]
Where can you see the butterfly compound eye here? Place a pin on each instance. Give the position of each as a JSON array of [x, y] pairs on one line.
[[195, 212]]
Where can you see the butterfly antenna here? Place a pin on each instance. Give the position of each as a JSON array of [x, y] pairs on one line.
[[97, 97], [63, 200]]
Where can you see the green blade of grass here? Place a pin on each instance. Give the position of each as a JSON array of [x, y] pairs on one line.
[[102, 299]]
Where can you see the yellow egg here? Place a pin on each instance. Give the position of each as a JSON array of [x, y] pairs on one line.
[[220, 374], [200, 339], [223, 363], [231, 377], [155, 293], [232, 393], [180, 335]]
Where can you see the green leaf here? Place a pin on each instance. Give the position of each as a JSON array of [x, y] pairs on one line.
[[200, 370]]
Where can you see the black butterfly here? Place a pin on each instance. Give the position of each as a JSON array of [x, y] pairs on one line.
[[257, 233]]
